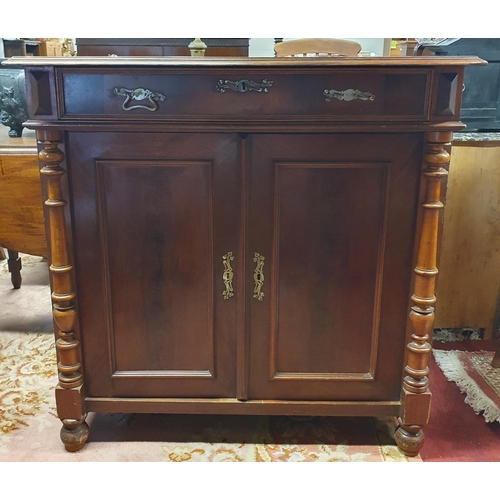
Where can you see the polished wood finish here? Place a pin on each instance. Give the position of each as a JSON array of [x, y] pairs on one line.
[[398, 95], [151, 279], [22, 227], [415, 392], [471, 240], [327, 218], [481, 94], [21, 215], [317, 47], [325, 210], [245, 62], [69, 394], [233, 406]]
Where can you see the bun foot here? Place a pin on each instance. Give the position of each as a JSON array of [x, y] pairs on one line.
[[74, 434], [409, 439]]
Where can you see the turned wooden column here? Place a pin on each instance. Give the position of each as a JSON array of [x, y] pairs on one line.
[[416, 397], [69, 393]]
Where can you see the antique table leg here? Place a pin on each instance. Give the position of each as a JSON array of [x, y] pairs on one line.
[[416, 397], [69, 393], [495, 363], [15, 265]]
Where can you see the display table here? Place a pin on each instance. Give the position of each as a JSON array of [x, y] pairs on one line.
[[244, 236], [21, 215]]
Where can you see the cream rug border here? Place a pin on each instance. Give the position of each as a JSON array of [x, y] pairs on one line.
[[454, 372]]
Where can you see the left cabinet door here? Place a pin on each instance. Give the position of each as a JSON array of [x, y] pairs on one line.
[[154, 217]]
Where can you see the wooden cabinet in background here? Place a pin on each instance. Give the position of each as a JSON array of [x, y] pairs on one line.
[[402, 46], [21, 47], [224, 47], [238, 236], [471, 240], [51, 47]]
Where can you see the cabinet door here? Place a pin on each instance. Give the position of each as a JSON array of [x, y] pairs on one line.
[[153, 216], [333, 217]]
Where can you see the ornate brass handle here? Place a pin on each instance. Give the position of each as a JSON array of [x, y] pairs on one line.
[[258, 276], [139, 95], [243, 86], [228, 275], [347, 95]]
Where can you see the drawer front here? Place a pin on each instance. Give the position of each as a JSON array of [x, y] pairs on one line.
[[331, 95]]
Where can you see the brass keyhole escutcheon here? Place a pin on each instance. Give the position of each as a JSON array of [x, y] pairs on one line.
[[258, 276], [227, 275]]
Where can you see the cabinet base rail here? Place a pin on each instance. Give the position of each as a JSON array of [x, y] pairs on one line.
[[230, 406]]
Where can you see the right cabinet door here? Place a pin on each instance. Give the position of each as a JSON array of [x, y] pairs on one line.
[[330, 243]]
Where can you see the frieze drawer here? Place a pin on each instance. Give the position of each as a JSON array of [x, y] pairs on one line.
[[230, 93]]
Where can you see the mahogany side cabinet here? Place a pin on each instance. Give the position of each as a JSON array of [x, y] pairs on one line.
[[244, 235]]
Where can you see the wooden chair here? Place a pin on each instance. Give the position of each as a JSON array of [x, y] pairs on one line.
[[317, 47]]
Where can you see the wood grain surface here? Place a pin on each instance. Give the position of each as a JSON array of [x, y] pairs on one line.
[[469, 279], [21, 214]]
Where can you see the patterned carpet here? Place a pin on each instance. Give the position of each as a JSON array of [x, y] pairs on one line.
[[29, 427], [475, 377], [27, 375]]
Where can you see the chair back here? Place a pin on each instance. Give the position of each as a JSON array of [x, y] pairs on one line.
[[317, 47]]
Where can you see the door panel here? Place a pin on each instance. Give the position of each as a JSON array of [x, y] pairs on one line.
[[150, 234], [158, 226], [325, 265], [326, 214]]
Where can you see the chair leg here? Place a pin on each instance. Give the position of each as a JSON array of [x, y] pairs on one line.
[[15, 267], [496, 360]]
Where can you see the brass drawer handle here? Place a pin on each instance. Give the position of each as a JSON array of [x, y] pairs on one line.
[[347, 95], [139, 95], [258, 276], [228, 275], [243, 86]]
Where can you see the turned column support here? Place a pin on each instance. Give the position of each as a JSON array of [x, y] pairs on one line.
[[416, 397], [69, 393]]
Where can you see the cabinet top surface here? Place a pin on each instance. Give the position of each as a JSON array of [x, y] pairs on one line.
[[250, 62]]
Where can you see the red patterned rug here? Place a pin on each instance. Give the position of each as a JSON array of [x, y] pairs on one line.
[[475, 377]]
